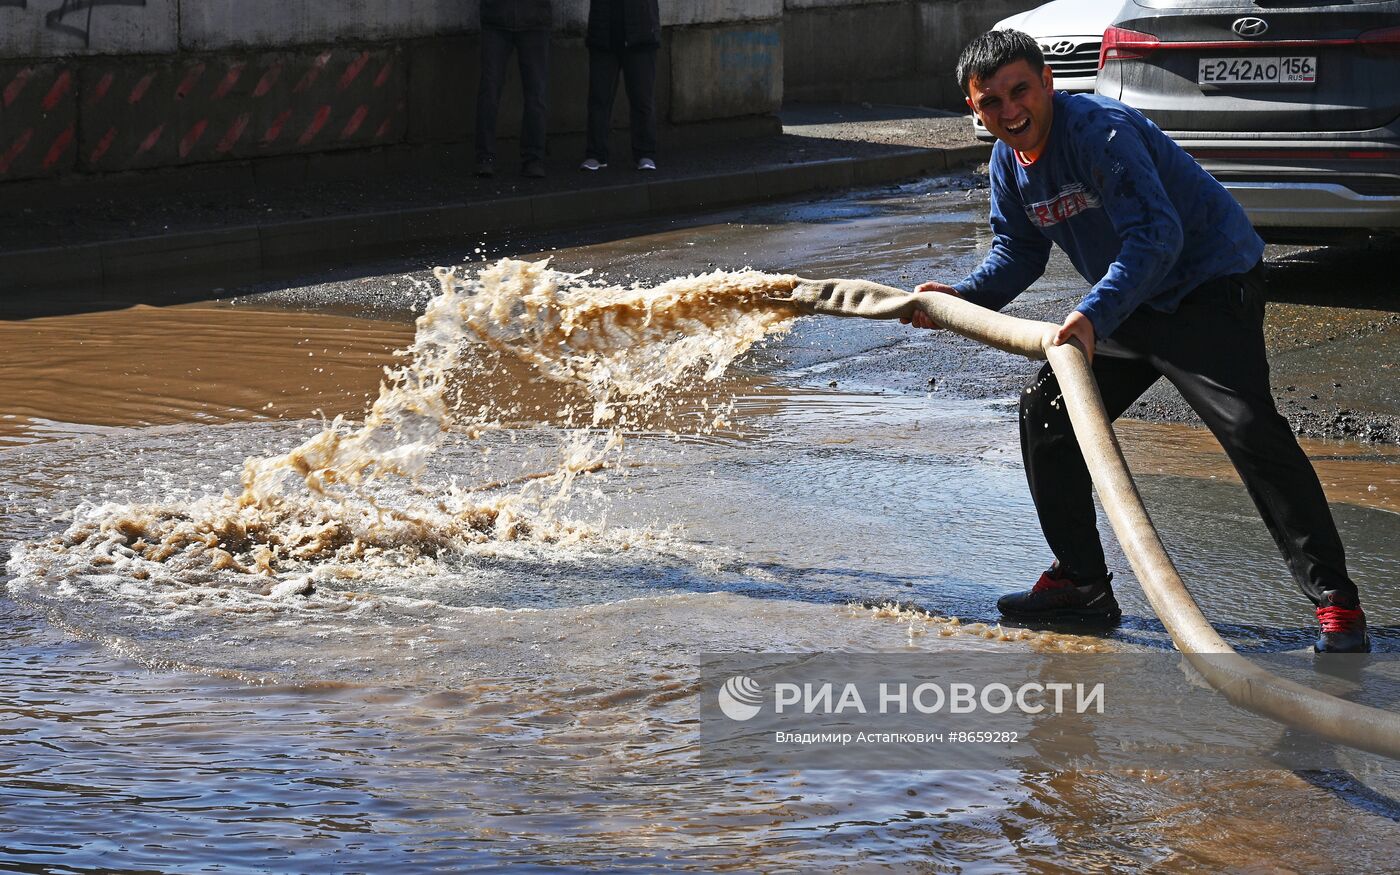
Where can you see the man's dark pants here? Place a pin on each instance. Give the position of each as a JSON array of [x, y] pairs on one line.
[[638, 69], [532, 53], [1212, 350]]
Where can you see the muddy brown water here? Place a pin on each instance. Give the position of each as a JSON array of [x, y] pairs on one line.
[[516, 702], [143, 365]]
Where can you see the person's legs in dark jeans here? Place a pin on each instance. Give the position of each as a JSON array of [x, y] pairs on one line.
[[496, 46], [639, 72], [532, 47], [1059, 480], [603, 68], [1212, 349]]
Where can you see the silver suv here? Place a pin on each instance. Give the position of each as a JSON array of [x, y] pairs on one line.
[[1294, 105]]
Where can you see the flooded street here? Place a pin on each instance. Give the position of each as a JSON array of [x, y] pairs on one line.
[[487, 661]]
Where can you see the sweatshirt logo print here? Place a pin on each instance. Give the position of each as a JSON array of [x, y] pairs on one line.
[[1071, 201]]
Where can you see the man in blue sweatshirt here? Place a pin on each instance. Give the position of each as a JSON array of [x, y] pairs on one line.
[[1177, 290]]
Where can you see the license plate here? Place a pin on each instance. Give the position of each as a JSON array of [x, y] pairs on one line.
[[1294, 70]]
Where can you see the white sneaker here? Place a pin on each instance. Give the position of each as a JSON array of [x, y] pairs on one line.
[[591, 164], [646, 164]]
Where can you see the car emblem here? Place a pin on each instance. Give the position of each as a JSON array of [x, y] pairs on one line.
[[1250, 26], [1063, 47]]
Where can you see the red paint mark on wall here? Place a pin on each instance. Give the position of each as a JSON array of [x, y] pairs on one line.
[[314, 73], [383, 75], [100, 90], [15, 150], [357, 119], [230, 79], [268, 80], [17, 84], [189, 82], [274, 130], [352, 71], [234, 133], [139, 90], [59, 89], [322, 116], [103, 145], [192, 136], [59, 146], [150, 142], [388, 123]]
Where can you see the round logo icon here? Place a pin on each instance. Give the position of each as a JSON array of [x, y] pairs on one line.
[[740, 698], [1250, 26]]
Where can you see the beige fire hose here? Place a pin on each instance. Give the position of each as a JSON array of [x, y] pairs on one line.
[[1243, 683]]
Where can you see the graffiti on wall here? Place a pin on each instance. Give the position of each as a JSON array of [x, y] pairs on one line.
[[74, 17]]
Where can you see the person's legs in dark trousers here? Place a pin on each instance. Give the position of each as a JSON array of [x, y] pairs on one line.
[[1212, 349], [639, 72], [1059, 481], [496, 47], [532, 47], [603, 68]]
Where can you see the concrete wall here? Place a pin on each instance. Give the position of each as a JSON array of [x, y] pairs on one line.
[[728, 71], [54, 28], [94, 86], [882, 51], [211, 24]]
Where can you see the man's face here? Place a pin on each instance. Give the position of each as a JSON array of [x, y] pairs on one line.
[[1016, 104]]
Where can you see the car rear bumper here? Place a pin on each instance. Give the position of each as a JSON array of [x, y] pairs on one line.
[[1317, 183], [1313, 205]]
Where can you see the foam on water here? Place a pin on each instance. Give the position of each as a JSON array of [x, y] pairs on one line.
[[352, 499]]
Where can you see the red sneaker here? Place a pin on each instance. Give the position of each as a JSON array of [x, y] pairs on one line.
[[1343, 625], [1057, 598]]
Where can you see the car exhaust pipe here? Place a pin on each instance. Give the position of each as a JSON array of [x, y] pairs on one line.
[[1242, 682]]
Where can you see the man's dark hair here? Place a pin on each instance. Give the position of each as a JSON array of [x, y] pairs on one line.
[[995, 49]]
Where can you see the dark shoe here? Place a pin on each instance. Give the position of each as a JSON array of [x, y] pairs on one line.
[[1343, 625], [1056, 598], [486, 168], [534, 169]]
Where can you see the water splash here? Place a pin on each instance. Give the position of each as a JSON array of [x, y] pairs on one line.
[[353, 496]]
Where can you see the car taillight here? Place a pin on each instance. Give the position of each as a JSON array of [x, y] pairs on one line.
[[1121, 44], [1383, 41]]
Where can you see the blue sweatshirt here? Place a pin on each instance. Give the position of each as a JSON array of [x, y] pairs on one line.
[[1137, 216]]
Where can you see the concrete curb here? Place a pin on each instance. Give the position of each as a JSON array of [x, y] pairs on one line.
[[245, 250]]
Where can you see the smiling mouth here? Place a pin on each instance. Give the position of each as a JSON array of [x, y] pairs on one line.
[[1019, 127]]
